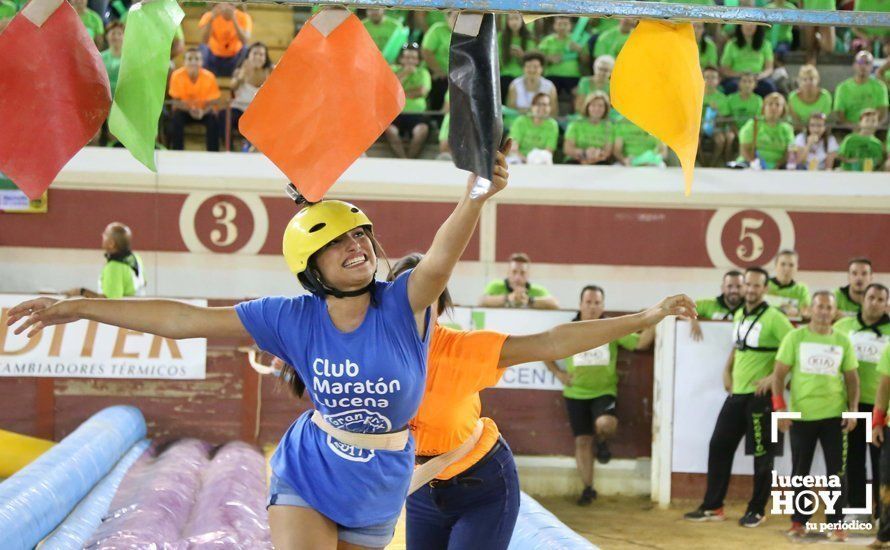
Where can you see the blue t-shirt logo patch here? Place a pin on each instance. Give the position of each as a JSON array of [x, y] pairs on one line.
[[361, 421]]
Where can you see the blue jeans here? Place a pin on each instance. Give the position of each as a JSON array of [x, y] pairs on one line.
[[477, 509], [221, 66]]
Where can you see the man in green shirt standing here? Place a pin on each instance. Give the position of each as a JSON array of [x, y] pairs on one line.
[[784, 292], [721, 308], [862, 151], [757, 331], [862, 91], [515, 290], [591, 388], [435, 49], [859, 276], [870, 333], [123, 274], [824, 384]]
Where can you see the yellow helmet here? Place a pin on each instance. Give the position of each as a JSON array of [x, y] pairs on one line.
[[315, 226]]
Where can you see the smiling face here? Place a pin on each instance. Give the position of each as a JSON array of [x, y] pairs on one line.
[[755, 288], [409, 58], [257, 55], [532, 68], [541, 107], [602, 67], [596, 109], [732, 289], [348, 262]]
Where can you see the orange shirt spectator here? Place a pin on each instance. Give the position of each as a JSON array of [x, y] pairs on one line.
[[225, 33], [194, 92]]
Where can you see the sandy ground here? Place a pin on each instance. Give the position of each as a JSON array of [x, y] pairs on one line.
[[627, 522]]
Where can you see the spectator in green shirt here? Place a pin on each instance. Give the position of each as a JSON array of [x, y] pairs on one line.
[[535, 132], [589, 140], [611, 41], [435, 50], [862, 91], [637, 147], [816, 39], [412, 122], [781, 36], [765, 142], [859, 276], [591, 389], [744, 105], [515, 41], [599, 82], [748, 52], [707, 48], [721, 308], [123, 274], [862, 151], [91, 20], [814, 149], [715, 107], [111, 58], [824, 385], [868, 37], [564, 56], [515, 290], [809, 97], [380, 26], [783, 292]]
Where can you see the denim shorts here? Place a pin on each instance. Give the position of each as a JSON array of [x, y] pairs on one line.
[[372, 536]]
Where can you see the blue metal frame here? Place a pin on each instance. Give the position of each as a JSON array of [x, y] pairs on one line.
[[626, 8]]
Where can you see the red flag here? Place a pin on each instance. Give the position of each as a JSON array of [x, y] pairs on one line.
[[54, 96], [329, 98]]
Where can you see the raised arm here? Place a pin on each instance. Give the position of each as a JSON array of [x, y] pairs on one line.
[[431, 275], [167, 318], [570, 338]]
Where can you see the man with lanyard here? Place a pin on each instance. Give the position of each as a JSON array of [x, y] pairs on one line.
[[859, 276], [880, 433], [757, 331], [516, 290], [824, 384], [721, 308], [123, 274], [869, 331], [784, 292]]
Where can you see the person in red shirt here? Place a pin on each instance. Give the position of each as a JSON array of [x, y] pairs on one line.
[[195, 95], [225, 35]]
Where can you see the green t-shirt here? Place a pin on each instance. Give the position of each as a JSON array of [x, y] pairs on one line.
[[610, 42], [859, 151], [714, 309], [851, 98], [8, 9], [773, 140], [746, 59], [554, 45], [93, 22], [824, 5], [593, 371], [446, 126], [635, 140], [869, 346], [587, 86], [381, 32], [420, 78], [718, 101], [122, 278], [744, 109], [805, 110], [535, 136], [499, 287], [818, 363], [707, 54], [510, 66], [438, 40], [845, 305], [873, 5], [112, 67], [761, 329], [794, 294], [884, 363], [587, 134], [780, 33]]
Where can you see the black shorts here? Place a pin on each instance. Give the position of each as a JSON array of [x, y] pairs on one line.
[[406, 122], [584, 412]]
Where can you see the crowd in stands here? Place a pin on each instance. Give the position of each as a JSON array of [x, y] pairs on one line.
[[555, 76]]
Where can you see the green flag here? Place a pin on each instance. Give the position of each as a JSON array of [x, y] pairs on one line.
[[142, 82], [394, 44]]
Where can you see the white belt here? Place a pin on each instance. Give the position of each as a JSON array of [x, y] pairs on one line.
[[428, 471], [395, 441]]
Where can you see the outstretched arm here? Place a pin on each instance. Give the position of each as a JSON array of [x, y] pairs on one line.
[[167, 318], [570, 338], [429, 278]]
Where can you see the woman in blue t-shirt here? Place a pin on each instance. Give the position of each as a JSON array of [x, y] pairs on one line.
[[360, 347]]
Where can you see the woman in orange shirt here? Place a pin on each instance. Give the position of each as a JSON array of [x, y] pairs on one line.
[[473, 500]]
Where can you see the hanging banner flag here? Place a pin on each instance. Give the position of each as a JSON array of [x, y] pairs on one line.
[[329, 98], [663, 57], [142, 82], [54, 94]]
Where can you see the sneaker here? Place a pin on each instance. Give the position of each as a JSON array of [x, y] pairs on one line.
[[705, 515], [879, 545], [587, 496], [751, 519], [797, 530], [603, 454], [837, 536]]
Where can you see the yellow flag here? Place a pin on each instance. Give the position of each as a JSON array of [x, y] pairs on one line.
[[657, 84]]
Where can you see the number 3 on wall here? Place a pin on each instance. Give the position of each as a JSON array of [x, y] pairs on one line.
[[224, 223], [744, 237], [224, 214]]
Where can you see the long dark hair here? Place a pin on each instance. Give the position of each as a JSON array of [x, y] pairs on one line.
[[507, 39], [266, 65], [410, 261], [593, 288], [756, 40]]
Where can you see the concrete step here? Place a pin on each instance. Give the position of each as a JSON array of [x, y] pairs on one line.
[[550, 476]]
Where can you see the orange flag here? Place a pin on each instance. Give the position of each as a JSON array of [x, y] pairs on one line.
[[657, 84], [330, 97]]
